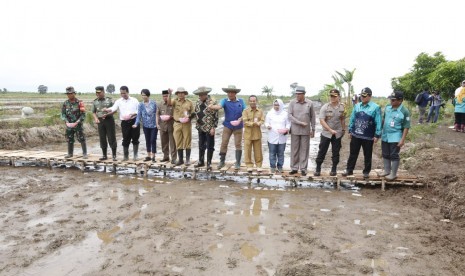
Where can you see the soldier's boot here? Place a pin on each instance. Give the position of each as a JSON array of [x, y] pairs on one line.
[[70, 150], [136, 151], [188, 157], [222, 158], [387, 168], [113, 154], [209, 159], [180, 157], [237, 166], [84, 150], [201, 161], [126, 153], [317, 170], [104, 155], [394, 167]]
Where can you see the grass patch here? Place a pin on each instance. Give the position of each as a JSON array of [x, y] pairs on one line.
[[423, 131]]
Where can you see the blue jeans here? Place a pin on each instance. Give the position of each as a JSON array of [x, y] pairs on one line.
[[276, 152], [434, 109], [151, 139]]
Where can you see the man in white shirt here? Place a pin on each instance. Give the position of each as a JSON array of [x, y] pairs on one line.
[[128, 107]]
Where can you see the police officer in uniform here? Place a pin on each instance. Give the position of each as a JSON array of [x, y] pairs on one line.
[[73, 113], [105, 122]]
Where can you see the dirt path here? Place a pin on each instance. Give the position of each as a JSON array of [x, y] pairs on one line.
[[68, 223]]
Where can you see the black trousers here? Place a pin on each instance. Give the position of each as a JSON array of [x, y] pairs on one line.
[[206, 141], [129, 133], [355, 145], [390, 151], [324, 146], [106, 132]]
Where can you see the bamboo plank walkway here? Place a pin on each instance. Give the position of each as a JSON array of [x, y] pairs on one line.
[[50, 158]]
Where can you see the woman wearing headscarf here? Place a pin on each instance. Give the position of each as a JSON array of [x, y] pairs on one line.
[[147, 114], [459, 109], [278, 125]]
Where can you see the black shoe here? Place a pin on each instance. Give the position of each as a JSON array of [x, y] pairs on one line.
[[147, 158], [103, 158], [366, 175], [316, 173], [333, 173], [166, 159], [303, 173], [346, 173], [293, 172], [153, 159]]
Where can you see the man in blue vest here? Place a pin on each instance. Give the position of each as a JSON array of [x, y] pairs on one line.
[[233, 124], [364, 131]]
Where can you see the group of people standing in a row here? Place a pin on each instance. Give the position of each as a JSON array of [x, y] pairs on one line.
[[173, 119]]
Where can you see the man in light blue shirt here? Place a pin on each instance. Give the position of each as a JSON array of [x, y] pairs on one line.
[[396, 123]]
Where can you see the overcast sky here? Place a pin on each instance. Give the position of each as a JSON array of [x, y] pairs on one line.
[[249, 43]]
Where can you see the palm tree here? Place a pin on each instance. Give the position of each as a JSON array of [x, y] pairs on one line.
[[348, 77], [268, 91]]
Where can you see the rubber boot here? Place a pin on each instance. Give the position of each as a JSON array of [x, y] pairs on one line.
[[126, 153], [333, 171], [180, 157], [209, 159], [104, 155], [84, 150], [387, 168], [70, 150], [237, 166], [222, 158], [113, 154], [136, 151], [317, 170], [188, 157], [201, 161], [394, 167]]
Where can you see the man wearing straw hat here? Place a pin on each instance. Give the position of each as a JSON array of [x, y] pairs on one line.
[[207, 122], [233, 125], [183, 111]]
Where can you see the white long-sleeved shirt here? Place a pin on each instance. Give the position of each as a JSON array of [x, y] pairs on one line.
[[277, 121], [126, 107]]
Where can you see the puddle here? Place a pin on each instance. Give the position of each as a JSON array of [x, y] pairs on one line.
[[261, 229], [70, 260], [249, 251], [116, 194]]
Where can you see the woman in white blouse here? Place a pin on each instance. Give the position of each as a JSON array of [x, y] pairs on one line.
[[278, 125]]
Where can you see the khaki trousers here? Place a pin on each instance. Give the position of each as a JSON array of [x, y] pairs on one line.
[[168, 145], [183, 135], [227, 132], [300, 148], [256, 146]]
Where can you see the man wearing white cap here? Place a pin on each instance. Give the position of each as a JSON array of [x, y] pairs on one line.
[[302, 117]]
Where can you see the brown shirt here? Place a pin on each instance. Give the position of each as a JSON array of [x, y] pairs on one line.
[[249, 116], [165, 109], [182, 109], [301, 112]]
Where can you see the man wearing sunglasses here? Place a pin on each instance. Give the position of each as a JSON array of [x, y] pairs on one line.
[[396, 123], [364, 131]]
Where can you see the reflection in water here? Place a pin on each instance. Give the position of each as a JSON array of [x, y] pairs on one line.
[[249, 251], [261, 229]]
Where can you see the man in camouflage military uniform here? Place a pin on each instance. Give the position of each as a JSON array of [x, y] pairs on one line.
[[105, 122], [73, 113], [207, 121]]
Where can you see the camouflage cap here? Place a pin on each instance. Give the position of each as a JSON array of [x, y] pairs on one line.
[[70, 90]]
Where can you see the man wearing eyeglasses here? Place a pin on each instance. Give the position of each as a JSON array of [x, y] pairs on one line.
[[396, 123], [364, 131]]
